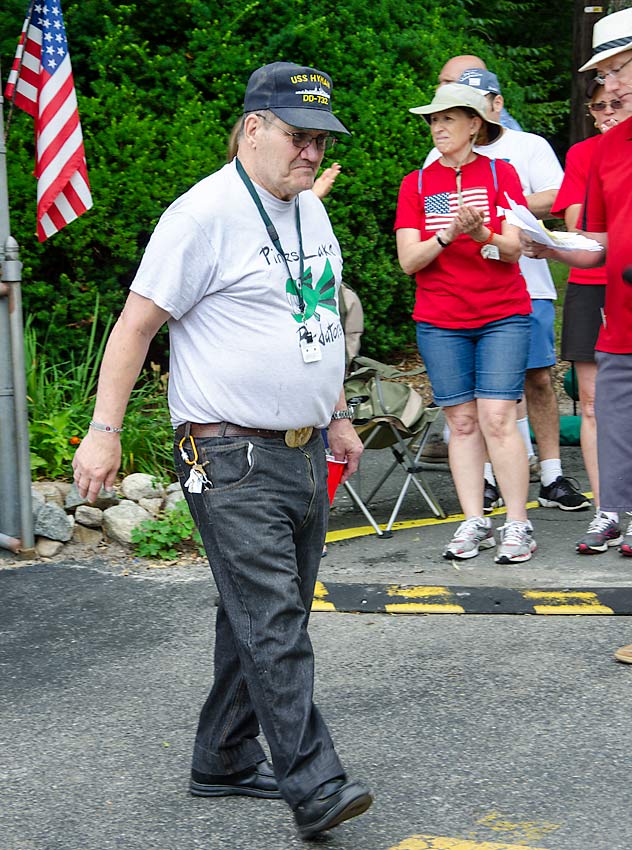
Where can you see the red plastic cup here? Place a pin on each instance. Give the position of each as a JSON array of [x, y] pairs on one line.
[[335, 469]]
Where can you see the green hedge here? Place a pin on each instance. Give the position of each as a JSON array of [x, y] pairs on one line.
[[160, 84]]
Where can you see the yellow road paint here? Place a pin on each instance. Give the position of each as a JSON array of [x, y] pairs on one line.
[[438, 842], [437, 600], [320, 598], [565, 602], [367, 530], [525, 830]]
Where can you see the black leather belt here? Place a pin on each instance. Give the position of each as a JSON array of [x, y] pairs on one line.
[[293, 438]]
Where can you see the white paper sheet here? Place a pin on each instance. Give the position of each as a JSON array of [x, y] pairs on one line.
[[524, 219]]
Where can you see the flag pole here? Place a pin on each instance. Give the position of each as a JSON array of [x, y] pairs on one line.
[[16, 512], [25, 29]]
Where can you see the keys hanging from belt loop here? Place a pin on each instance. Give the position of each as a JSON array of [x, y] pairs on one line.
[[198, 479]]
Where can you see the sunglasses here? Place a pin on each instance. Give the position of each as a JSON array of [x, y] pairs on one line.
[[602, 104]]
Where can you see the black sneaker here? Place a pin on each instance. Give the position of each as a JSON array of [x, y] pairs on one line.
[[563, 493], [491, 498]]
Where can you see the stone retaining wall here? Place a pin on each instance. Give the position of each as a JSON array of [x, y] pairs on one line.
[[60, 515]]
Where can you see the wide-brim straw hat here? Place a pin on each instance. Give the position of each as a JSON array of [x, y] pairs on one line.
[[454, 95]]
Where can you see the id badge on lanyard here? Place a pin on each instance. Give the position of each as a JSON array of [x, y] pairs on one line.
[[309, 346]]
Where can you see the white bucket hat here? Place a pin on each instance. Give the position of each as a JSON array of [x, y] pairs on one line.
[[611, 35], [453, 95]]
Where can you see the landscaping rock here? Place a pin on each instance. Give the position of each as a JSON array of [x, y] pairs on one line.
[[53, 522], [139, 486], [174, 498], [120, 520], [105, 499], [87, 536], [50, 492], [151, 505], [37, 503], [46, 548], [87, 515]]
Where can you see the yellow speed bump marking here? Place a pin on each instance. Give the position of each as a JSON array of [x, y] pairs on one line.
[[438, 842], [436, 600], [566, 602], [319, 602]]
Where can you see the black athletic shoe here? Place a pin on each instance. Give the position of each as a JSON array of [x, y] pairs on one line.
[[563, 493], [491, 498]]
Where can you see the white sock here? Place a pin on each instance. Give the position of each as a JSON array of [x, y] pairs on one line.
[[550, 470], [610, 514], [446, 433], [523, 427], [488, 473]]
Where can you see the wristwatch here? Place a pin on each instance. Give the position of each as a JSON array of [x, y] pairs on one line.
[[343, 414]]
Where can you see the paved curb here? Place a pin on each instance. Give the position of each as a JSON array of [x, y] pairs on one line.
[[425, 599]]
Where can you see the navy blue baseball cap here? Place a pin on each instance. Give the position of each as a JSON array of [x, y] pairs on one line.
[[296, 94]]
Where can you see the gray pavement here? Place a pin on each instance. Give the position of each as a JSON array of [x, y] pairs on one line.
[[480, 733], [476, 732]]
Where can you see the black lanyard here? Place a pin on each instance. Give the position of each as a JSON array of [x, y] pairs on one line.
[[274, 236]]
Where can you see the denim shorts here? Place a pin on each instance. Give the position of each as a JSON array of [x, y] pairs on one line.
[[468, 363], [542, 344]]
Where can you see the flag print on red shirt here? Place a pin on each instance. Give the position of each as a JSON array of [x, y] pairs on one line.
[[441, 208], [461, 289]]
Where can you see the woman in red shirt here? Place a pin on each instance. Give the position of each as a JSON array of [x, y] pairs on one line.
[[472, 312], [583, 310]]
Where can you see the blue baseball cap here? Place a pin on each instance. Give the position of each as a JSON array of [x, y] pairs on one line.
[[479, 78], [297, 94]]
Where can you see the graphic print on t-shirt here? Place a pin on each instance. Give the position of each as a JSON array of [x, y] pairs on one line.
[[323, 294], [441, 208]]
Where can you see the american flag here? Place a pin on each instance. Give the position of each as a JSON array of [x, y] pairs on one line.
[[41, 84], [441, 208]]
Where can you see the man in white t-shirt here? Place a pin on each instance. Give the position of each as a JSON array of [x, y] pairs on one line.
[[540, 174], [245, 269]]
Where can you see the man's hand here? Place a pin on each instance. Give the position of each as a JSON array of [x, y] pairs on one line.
[[96, 462], [345, 445], [533, 249]]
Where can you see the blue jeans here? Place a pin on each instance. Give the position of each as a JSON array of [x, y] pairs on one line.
[[468, 363], [263, 524]]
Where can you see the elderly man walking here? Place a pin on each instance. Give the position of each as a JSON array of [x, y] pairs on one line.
[[245, 269]]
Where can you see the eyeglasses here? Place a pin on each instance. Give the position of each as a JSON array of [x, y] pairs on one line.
[[323, 142], [603, 104], [614, 73]]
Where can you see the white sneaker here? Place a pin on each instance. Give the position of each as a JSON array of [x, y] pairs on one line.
[[473, 534], [516, 542]]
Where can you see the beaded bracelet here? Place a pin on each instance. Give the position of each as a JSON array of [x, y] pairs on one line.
[[98, 426]]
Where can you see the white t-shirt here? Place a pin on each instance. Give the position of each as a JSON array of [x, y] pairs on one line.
[[234, 329], [539, 170]]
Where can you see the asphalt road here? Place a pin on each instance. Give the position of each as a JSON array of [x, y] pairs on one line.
[[489, 732]]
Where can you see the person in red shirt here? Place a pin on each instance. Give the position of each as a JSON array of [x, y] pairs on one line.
[[606, 217], [583, 306], [472, 312]]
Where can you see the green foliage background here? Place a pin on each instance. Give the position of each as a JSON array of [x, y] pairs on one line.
[[160, 84]]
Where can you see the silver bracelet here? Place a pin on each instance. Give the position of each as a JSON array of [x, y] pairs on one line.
[[110, 429]]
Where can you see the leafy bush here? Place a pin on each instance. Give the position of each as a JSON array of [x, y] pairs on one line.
[[168, 536], [157, 104]]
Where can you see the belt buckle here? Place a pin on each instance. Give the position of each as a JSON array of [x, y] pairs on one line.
[[296, 437]]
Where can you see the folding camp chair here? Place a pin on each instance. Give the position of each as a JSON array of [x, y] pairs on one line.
[[390, 414]]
